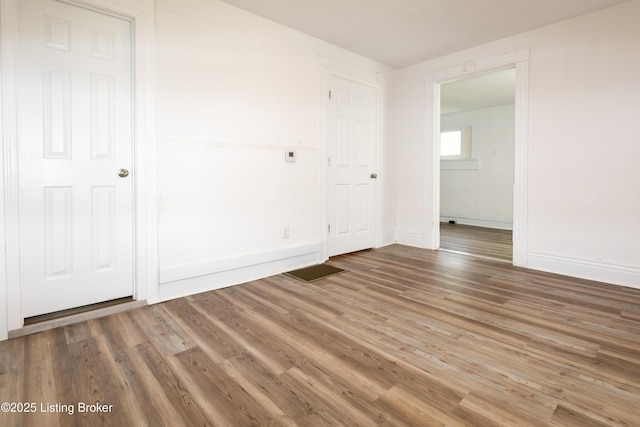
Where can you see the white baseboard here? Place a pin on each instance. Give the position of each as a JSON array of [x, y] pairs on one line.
[[410, 239], [176, 282], [388, 239], [520, 256], [591, 270], [479, 220]]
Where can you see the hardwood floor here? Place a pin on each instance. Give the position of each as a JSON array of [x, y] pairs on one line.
[[488, 242], [405, 337]]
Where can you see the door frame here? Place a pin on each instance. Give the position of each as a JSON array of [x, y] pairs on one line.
[[332, 67], [145, 245], [519, 60]]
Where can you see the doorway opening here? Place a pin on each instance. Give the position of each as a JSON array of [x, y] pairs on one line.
[[518, 60], [477, 132]]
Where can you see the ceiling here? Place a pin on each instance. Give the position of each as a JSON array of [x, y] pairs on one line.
[[482, 91], [401, 33]]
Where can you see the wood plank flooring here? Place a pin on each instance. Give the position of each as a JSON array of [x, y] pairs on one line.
[[483, 241], [405, 337]]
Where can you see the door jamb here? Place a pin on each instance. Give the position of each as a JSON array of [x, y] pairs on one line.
[[145, 182], [520, 60]]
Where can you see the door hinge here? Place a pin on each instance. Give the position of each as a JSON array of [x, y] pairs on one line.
[[329, 94], [329, 228], [329, 161]]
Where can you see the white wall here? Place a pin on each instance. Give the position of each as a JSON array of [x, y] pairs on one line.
[[234, 92], [483, 196], [584, 144], [221, 95]]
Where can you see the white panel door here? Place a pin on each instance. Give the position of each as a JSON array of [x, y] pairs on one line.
[[75, 135], [352, 166]]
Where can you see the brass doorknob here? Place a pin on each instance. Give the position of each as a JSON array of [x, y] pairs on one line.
[[374, 176], [123, 173]]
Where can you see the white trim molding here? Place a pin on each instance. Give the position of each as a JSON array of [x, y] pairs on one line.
[[190, 271], [8, 176], [389, 238], [410, 239], [520, 60], [11, 292], [585, 269], [190, 279], [480, 220], [521, 161]]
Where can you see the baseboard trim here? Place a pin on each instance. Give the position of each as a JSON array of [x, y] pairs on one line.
[[479, 221], [410, 239], [181, 281], [591, 270], [388, 239]]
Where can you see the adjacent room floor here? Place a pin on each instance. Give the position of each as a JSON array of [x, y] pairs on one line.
[[404, 337], [482, 241]]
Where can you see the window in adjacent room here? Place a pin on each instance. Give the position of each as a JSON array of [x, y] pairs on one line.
[[455, 144]]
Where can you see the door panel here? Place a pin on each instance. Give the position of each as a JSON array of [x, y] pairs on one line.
[[75, 124], [57, 233], [352, 159]]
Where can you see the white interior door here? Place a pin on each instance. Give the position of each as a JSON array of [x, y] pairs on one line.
[[75, 130], [352, 166]]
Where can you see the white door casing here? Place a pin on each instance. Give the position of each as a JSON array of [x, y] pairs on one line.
[[76, 133], [520, 60], [352, 161]]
